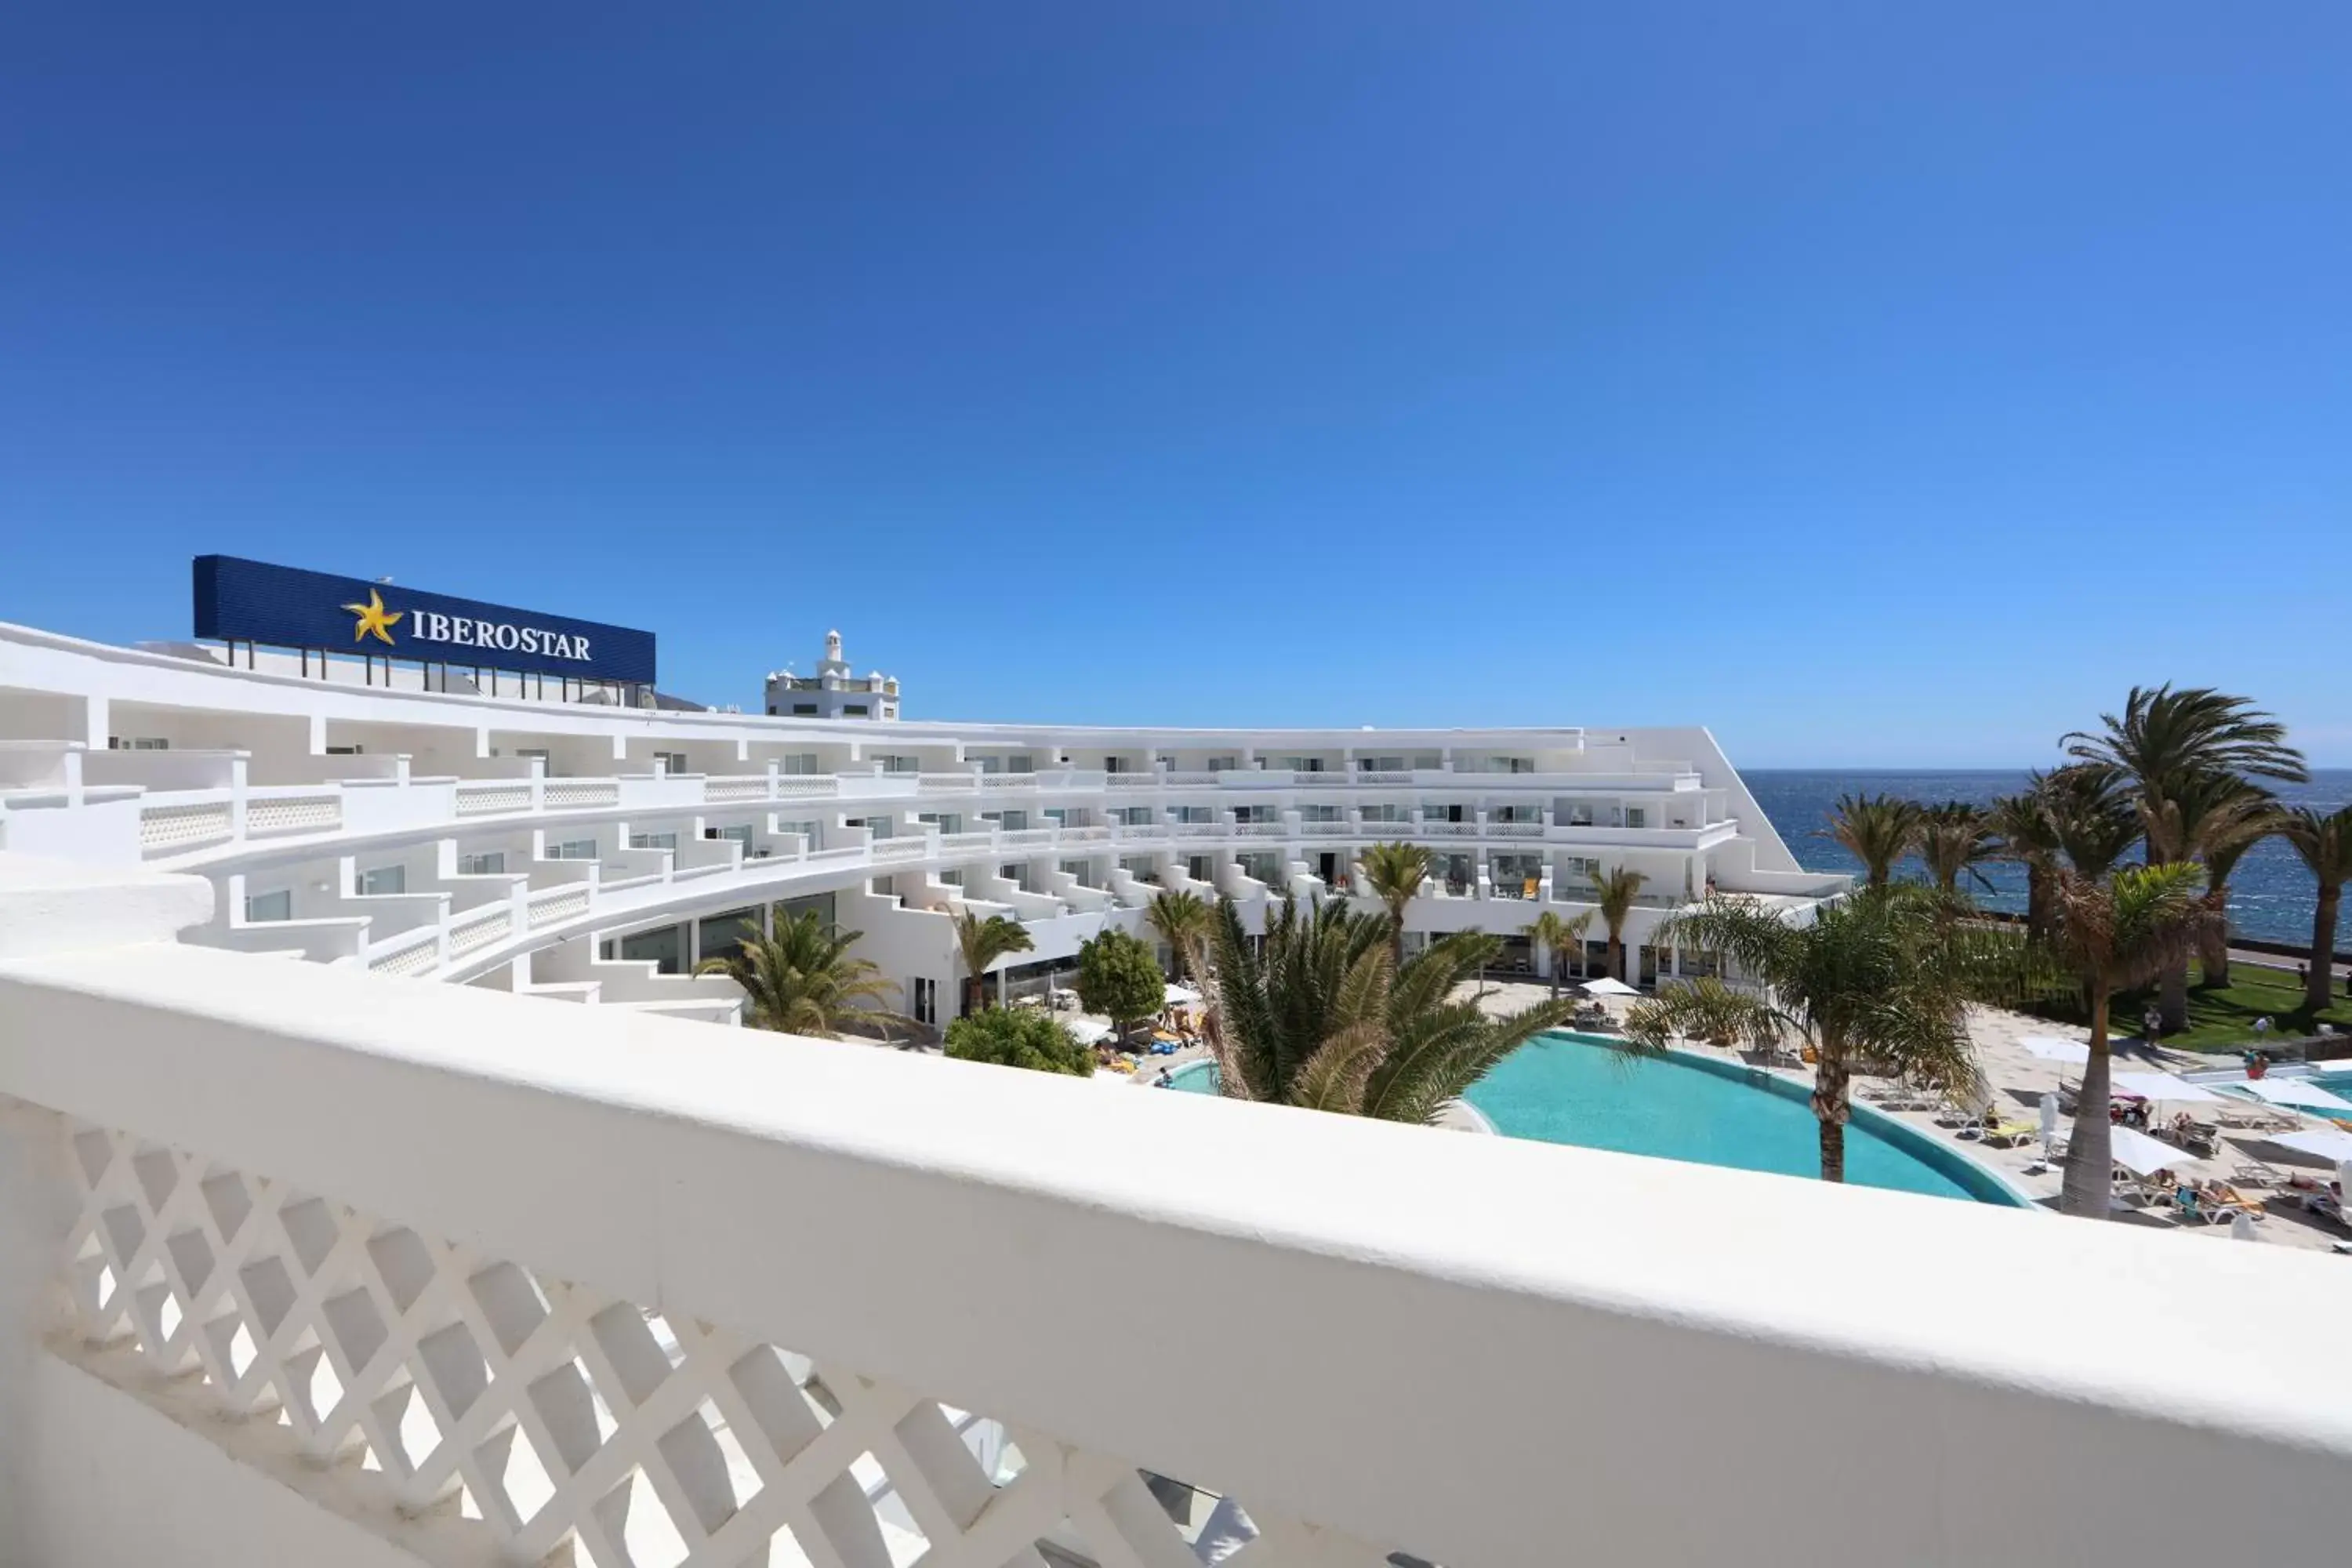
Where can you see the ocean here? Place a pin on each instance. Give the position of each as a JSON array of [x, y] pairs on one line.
[[2270, 896]]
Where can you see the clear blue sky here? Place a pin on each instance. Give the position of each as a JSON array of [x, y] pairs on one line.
[[1873, 383]]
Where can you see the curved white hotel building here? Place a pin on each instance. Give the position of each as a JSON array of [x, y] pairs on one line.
[[335, 1240]]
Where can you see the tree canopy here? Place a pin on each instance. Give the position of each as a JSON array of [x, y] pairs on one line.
[[1019, 1037]]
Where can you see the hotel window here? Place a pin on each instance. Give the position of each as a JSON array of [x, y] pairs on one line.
[[740, 835], [1319, 814], [489, 863], [1579, 813], [1223, 764], [854, 710], [799, 764], [1580, 869], [804, 709], [1637, 816], [1132, 816], [272, 906], [1255, 813], [1077, 869], [345, 751], [900, 764], [1139, 867], [945, 821], [137, 743], [1197, 868], [1515, 813], [673, 763], [925, 992], [953, 879], [1261, 865], [1384, 814], [653, 841], [665, 948], [384, 879], [1191, 814], [572, 850]]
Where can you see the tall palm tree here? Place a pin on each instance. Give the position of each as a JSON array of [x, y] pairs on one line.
[[1613, 891], [2169, 747], [1559, 938], [2222, 838], [1395, 872], [1876, 829], [1323, 1018], [2023, 829], [1880, 980], [2115, 932], [2323, 844], [980, 943], [802, 980], [2093, 818], [2177, 825], [1954, 839], [1182, 920]]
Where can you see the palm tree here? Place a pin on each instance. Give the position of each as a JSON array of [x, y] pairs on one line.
[[2221, 839], [2115, 932], [2021, 827], [2171, 748], [1614, 891], [1876, 829], [1182, 922], [1559, 938], [2177, 825], [1880, 979], [2324, 844], [981, 943], [1322, 1016], [1395, 872], [801, 981], [1953, 838]]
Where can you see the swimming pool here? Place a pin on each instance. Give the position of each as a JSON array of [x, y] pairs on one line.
[[1575, 1089]]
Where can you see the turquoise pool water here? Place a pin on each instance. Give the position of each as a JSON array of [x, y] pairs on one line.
[[1571, 1088]]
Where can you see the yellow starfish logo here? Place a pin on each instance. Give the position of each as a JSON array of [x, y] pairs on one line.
[[373, 619]]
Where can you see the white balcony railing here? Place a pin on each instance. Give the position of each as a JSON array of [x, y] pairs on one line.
[[762, 1298]]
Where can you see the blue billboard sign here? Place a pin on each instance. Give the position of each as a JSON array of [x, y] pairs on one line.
[[248, 601]]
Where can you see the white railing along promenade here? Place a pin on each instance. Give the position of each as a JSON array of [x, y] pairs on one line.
[[348, 1271]]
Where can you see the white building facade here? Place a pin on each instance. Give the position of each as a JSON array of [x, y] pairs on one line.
[[310, 1257], [834, 691]]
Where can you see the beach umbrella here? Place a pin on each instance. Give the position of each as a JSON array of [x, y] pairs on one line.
[[2241, 1226], [2164, 1086], [2049, 1119], [2052, 1049], [2136, 1151], [2295, 1091], [1608, 985], [2328, 1142], [1181, 996]]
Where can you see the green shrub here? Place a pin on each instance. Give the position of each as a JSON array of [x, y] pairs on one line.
[[1018, 1037], [1119, 978]]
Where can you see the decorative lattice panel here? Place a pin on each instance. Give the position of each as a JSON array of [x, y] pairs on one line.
[[552, 1419], [484, 802], [735, 789], [414, 959], [560, 796], [559, 904], [178, 826], [309, 815]]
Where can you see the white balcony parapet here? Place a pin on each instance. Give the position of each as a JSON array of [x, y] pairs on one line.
[[702, 1275]]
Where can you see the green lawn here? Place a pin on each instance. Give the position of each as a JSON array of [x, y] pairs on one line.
[[2222, 1019]]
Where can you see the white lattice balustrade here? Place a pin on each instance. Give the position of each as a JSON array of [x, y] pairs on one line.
[[486, 801], [544, 1414], [308, 813], [499, 1281]]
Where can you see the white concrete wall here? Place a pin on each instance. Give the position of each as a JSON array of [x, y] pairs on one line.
[[1519, 1352]]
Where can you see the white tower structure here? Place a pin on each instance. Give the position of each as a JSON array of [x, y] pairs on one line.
[[834, 691]]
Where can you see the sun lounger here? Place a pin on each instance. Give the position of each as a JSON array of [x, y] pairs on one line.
[[2009, 1134], [2253, 1172]]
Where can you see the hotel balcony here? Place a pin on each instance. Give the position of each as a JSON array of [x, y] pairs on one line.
[[306, 1264]]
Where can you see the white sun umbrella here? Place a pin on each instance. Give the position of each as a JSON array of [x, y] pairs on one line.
[[2241, 1226], [1181, 996], [2049, 1119], [2328, 1142], [2295, 1091], [2050, 1049], [1087, 1032], [2165, 1087], [2136, 1151], [1608, 985]]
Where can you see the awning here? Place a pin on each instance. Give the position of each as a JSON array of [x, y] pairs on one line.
[[2328, 1142], [1607, 986], [2140, 1154], [2050, 1049], [2294, 1091], [2164, 1086]]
